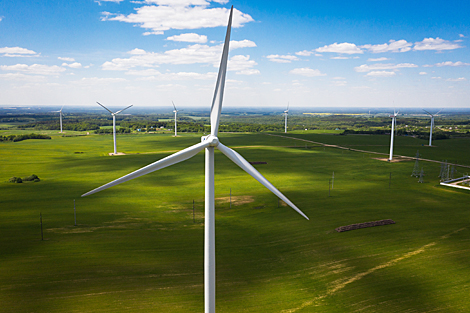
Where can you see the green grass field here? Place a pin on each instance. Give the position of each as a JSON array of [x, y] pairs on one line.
[[137, 249]]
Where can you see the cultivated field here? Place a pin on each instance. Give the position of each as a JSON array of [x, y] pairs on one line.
[[136, 247]]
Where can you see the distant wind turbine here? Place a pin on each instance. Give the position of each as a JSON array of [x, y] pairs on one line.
[[286, 112], [394, 121], [208, 143], [114, 122], [176, 112], [432, 125], [60, 114]]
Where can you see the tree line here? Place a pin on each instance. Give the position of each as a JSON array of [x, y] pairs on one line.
[[15, 138]]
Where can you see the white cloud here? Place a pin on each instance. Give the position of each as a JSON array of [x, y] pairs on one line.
[[66, 59], [99, 80], [423, 73], [282, 58], [304, 53], [379, 66], [378, 59], [340, 58], [189, 37], [339, 83], [462, 36], [345, 47], [183, 3], [73, 65], [37, 69], [152, 74], [249, 72], [115, 1], [305, 71], [22, 77], [460, 79], [393, 46], [242, 65], [178, 14], [17, 52], [241, 44], [381, 74], [192, 54], [437, 44], [449, 63]]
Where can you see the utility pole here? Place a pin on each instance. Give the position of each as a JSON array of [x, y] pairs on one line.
[[40, 219]]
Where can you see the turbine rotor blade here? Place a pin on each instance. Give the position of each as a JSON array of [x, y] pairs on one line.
[[427, 112], [216, 107], [104, 107], [165, 162], [247, 167], [123, 109], [174, 105]]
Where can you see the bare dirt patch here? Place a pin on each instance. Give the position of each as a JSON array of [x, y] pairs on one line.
[[117, 153], [394, 160], [236, 200]]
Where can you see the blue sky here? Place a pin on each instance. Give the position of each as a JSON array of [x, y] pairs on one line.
[[359, 53]]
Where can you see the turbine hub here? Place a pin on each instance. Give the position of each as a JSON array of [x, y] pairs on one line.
[[213, 140]]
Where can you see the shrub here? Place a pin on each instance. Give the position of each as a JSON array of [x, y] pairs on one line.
[[15, 179], [31, 178]]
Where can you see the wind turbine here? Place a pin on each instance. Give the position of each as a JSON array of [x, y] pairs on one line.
[[432, 125], [114, 122], [208, 143], [286, 112], [394, 121], [60, 114], [176, 112]]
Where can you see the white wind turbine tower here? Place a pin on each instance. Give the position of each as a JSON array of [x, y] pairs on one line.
[[432, 125], [392, 133], [286, 112], [176, 112], [208, 143], [60, 114], [114, 122]]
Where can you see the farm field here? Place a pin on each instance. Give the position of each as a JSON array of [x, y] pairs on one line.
[[137, 247]]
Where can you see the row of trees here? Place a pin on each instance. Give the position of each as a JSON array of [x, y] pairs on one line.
[[16, 138], [75, 125], [436, 135], [120, 130]]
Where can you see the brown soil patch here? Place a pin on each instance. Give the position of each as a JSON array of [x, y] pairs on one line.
[[236, 200], [394, 160], [117, 153]]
